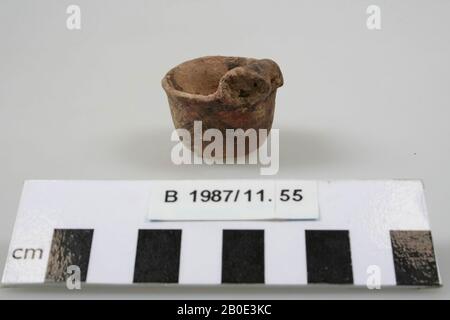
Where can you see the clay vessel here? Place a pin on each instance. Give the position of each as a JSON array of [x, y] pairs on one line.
[[223, 93]]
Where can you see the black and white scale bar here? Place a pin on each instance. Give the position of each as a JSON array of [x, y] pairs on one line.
[[328, 256], [70, 247], [157, 256], [243, 256], [414, 259], [366, 230]]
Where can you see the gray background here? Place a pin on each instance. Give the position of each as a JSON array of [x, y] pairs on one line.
[[356, 103]]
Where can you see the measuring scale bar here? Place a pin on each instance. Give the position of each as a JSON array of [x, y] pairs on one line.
[[360, 233]]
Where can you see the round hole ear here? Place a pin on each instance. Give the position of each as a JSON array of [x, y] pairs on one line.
[[243, 86]]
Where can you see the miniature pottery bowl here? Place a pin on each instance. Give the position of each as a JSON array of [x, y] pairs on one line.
[[223, 93]]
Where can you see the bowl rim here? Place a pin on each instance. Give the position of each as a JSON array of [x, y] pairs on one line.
[[171, 91]]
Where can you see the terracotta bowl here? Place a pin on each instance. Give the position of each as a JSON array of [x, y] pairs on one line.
[[223, 93]]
